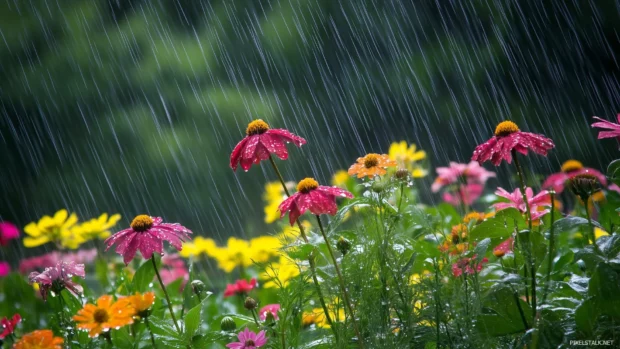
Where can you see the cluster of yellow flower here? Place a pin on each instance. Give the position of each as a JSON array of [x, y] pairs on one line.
[[245, 253], [65, 231]]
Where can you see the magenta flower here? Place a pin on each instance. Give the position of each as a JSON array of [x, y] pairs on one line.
[[240, 287], [515, 200], [58, 277], [468, 266], [27, 265], [469, 193], [8, 232], [319, 199], [260, 142], [570, 169], [471, 173], [269, 308], [8, 325], [147, 234], [248, 340], [5, 268], [508, 137], [611, 130]]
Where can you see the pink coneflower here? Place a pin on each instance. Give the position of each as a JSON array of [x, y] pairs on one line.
[[260, 142], [8, 325], [507, 138], [468, 266], [27, 265], [173, 268], [248, 340], [570, 169], [466, 194], [504, 247], [456, 173], [8, 232], [319, 199], [516, 201], [611, 129], [58, 277], [147, 234], [240, 287], [269, 308], [5, 268]]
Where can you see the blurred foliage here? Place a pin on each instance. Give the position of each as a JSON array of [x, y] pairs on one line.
[[133, 106]]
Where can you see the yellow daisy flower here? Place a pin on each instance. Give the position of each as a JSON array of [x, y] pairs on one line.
[[96, 228], [341, 178], [283, 270], [198, 246], [263, 248], [273, 196], [236, 253], [55, 229], [406, 156]]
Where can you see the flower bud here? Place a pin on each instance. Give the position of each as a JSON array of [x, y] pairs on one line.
[[228, 324], [269, 318], [377, 187], [198, 287], [250, 303], [401, 173], [343, 245], [584, 185]]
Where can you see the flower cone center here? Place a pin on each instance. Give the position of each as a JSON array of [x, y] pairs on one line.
[[371, 160], [505, 128], [249, 342], [141, 223], [306, 185], [256, 127], [101, 316], [571, 165]]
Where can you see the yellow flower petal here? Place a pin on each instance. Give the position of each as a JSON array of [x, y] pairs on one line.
[[60, 217], [34, 242]]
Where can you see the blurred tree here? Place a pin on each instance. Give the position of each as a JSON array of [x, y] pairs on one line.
[[134, 106]]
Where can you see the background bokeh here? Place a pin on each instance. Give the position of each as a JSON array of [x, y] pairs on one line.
[[134, 106]]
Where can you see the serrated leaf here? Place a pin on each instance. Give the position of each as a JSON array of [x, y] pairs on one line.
[[193, 320]]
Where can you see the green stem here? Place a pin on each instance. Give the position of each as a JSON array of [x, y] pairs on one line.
[[437, 300], [521, 175], [345, 293], [255, 317], [148, 326], [163, 287], [402, 191], [551, 247], [311, 257], [516, 298], [590, 225]]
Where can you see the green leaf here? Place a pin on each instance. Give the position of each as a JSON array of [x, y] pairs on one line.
[[301, 251], [604, 290], [502, 225], [192, 320], [481, 249], [590, 257], [585, 317], [426, 248], [613, 171], [503, 317], [570, 223], [609, 245], [121, 339], [165, 333], [144, 276]]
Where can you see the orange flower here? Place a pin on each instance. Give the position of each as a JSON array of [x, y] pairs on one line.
[[142, 302], [40, 339], [104, 316], [371, 165]]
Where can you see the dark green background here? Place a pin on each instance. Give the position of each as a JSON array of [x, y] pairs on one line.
[[134, 106]]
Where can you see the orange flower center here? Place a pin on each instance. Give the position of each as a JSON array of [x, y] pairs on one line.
[[306, 185], [371, 160], [571, 165], [142, 223], [256, 127], [101, 316], [505, 128]]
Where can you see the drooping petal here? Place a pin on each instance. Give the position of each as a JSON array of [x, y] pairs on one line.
[[236, 153]]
